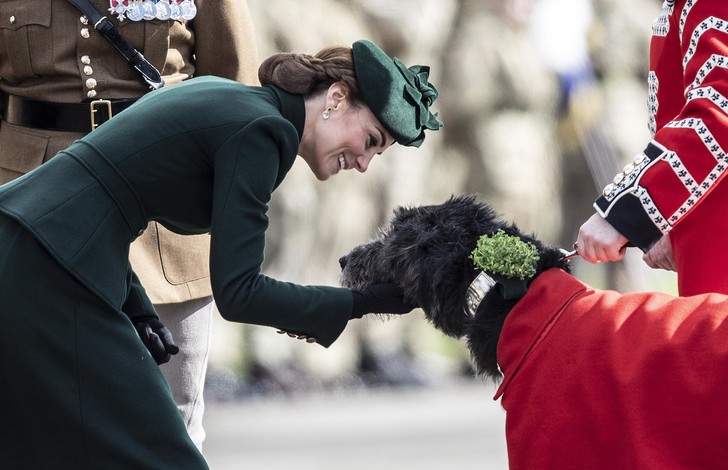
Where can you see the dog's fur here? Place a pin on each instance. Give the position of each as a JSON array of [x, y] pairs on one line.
[[595, 379], [425, 250]]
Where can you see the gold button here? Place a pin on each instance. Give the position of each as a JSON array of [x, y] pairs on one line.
[[628, 168], [618, 178], [91, 83], [91, 94], [85, 59], [88, 70], [12, 20], [608, 189], [83, 20], [84, 33], [638, 159]]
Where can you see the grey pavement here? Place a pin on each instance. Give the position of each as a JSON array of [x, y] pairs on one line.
[[451, 426]]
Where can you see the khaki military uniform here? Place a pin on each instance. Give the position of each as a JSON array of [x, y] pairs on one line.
[[47, 52], [50, 52]]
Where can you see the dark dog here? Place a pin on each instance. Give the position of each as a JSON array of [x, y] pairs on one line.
[[425, 251], [590, 378]]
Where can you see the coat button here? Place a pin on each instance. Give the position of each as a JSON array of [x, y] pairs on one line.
[[88, 70], [91, 94], [310, 340], [83, 20], [12, 20], [91, 83], [86, 60], [141, 231], [85, 34]]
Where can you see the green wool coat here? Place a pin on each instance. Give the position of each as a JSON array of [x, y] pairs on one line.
[[201, 156]]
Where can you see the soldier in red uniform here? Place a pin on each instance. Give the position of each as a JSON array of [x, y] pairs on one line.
[[671, 201]]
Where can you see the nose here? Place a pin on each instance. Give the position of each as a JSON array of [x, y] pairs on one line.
[[362, 161], [342, 262]]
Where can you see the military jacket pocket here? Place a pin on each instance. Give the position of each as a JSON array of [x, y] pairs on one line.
[[185, 258], [150, 37], [24, 27], [21, 150]]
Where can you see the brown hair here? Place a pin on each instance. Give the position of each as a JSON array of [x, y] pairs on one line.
[[304, 74]]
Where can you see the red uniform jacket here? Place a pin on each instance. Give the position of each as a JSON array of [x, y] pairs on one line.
[[601, 380], [688, 103]]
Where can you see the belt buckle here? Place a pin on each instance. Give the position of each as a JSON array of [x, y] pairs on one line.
[[94, 107]]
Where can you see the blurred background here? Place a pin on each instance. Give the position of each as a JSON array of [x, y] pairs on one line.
[[543, 101]]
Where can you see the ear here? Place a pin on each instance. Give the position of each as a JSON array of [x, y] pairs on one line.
[[336, 97]]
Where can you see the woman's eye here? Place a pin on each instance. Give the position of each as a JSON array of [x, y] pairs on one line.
[[372, 141]]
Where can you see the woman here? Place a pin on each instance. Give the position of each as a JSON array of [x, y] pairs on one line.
[[201, 156]]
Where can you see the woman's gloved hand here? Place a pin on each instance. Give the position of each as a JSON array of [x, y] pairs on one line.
[[380, 298], [156, 337]]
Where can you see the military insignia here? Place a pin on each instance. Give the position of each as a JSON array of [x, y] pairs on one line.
[[164, 10], [135, 10], [189, 10], [118, 8], [145, 10]]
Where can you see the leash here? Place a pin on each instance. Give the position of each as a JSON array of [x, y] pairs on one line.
[[567, 255]]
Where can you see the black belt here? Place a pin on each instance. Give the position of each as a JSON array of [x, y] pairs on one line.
[[67, 117]]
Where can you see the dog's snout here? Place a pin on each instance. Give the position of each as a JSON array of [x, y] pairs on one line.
[[342, 262]]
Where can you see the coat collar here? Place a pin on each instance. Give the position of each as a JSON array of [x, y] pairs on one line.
[[292, 108]]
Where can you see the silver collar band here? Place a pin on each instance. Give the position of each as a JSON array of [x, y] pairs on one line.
[[481, 285]]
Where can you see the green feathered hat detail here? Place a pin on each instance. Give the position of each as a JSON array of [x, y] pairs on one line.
[[505, 255]]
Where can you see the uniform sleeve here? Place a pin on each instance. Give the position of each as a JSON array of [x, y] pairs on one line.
[[225, 41], [247, 169], [687, 156]]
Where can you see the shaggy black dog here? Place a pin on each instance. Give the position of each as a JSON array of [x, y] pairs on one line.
[[425, 250], [592, 378]]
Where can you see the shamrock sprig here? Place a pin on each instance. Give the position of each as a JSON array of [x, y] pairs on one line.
[[505, 255]]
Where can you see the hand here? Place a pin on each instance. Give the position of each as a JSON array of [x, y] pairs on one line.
[[599, 241], [380, 298], [156, 337], [660, 255]]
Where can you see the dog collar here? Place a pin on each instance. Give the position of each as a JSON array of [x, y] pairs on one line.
[[510, 288], [481, 285]]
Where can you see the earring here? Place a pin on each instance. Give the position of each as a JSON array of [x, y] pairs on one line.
[[327, 113]]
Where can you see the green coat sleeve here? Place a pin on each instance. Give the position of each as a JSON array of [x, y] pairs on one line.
[[247, 170]]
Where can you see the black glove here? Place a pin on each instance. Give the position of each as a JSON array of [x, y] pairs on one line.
[[156, 337], [380, 298]]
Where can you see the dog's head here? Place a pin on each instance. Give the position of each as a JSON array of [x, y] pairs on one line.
[[426, 251]]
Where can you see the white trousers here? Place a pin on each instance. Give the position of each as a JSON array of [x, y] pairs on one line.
[[191, 326]]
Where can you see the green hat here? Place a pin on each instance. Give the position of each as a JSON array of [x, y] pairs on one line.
[[399, 97]]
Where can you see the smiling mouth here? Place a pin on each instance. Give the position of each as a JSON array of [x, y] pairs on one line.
[[342, 162]]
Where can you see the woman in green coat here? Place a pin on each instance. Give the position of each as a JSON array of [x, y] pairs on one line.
[[80, 340]]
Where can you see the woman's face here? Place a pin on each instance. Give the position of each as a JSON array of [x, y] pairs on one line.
[[348, 139]]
